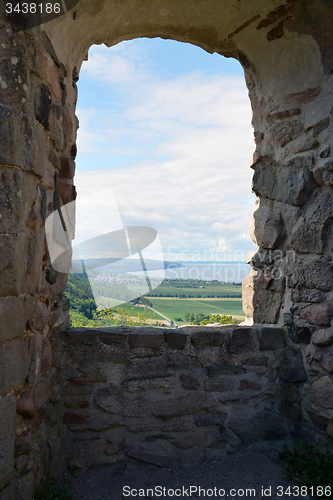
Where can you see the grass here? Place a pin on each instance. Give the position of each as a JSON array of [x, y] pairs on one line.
[[177, 308], [50, 490], [311, 465]]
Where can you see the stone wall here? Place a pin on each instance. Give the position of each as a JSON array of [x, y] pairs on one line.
[[285, 50], [190, 394]]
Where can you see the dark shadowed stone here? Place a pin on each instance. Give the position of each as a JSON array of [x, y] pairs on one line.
[[323, 338], [150, 458], [189, 383], [43, 100], [165, 363], [23, 443], [51, 275], [76, 418], [263, 426], [306, 295], [319, 421], [272, 339], [318, 314], [291, 368], [152, 340], [25, 405], [310, 232], [248, 385], [7, 438], [165, 383], [176, 340], [73, 389], [322, 392], [326, 153], [291, 402], [326, 361], [211, 419], [67, 169], [210, 337], [242, 340], [288, 319], [256, 361], [218, 385], [87, 336], [299, 334], [269, 294], [216, 371], [176, 407], [114, 337], [292, 183]]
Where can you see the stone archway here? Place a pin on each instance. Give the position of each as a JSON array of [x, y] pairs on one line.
[[285, 50]]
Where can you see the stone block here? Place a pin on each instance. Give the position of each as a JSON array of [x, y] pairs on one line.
[[189, 383], [272, 180], [322, 392], [67, 168], [42, 392], [319, 421], [310, 232], [25, 405], [176, 407], [23, 443], [162, 364], [39, 316], [262, 426], [291, 402], [16, 137], [211, 419], [323, 338], [61, 127], [303, 97], [113, 336], [320, 126], [43, 101], [13, 250], [291, 368], [298, 295], [13, 365], [76, 405], [299, 334], [225, 369], [46, 68], [248, 385], [256, 361], [7, 438], [317, 274], [166, 384], [267, 299], [46, 362], [13, 318], [72, 389], [210, 337], [318, 314], [285, 132], [67, 192], [217, 384], [84, 336], [152, 340], [76, 418], [24, 486], [272, 339], [90, 379], [176, 340], [242, 340], [267, 229]]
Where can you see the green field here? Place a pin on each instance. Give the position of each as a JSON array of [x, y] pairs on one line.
[[177, 308], [193, 287]]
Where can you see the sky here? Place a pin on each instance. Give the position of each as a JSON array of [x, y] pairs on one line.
[[167, 127]]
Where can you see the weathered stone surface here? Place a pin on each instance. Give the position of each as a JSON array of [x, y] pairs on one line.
[[248, 385], [263, 426], [67, 168], [176, 362], [146, 384], [60, 127], [42, 391], [291, 368], [13, 318], [210, 337], [14, 364], [7, 438], [219, 384], [318, 314], [299, 334], [320, 421], [76, 418], [292, 183], [303, 97], [317, 274], [269, 293], [287, 131], [306, 146], [272, 339], [256, 361], [268, 228], [116, 338], [39, 317], [25, 405], [176, 340], [76, 405], [320, 126], [150, 458], [322, 392], [87, 336], [74, 389], [178, 406], [306, 295], [323, 338], [23, 443], [242, 340], [43, 100], [152, 340], [189, 383], [211, 419], [46, 362], [285, 113], [310, 231], [225, 369], [326, 361], [291, 402]]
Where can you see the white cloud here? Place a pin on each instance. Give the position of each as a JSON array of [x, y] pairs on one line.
[[195, 131]]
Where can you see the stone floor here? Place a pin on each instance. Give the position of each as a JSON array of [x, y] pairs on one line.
[[233, 474]]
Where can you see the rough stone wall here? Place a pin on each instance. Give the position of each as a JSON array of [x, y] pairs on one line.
[[190, 394], [286, 53]]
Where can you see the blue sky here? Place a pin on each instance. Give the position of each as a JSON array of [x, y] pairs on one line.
[[167, 126]]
